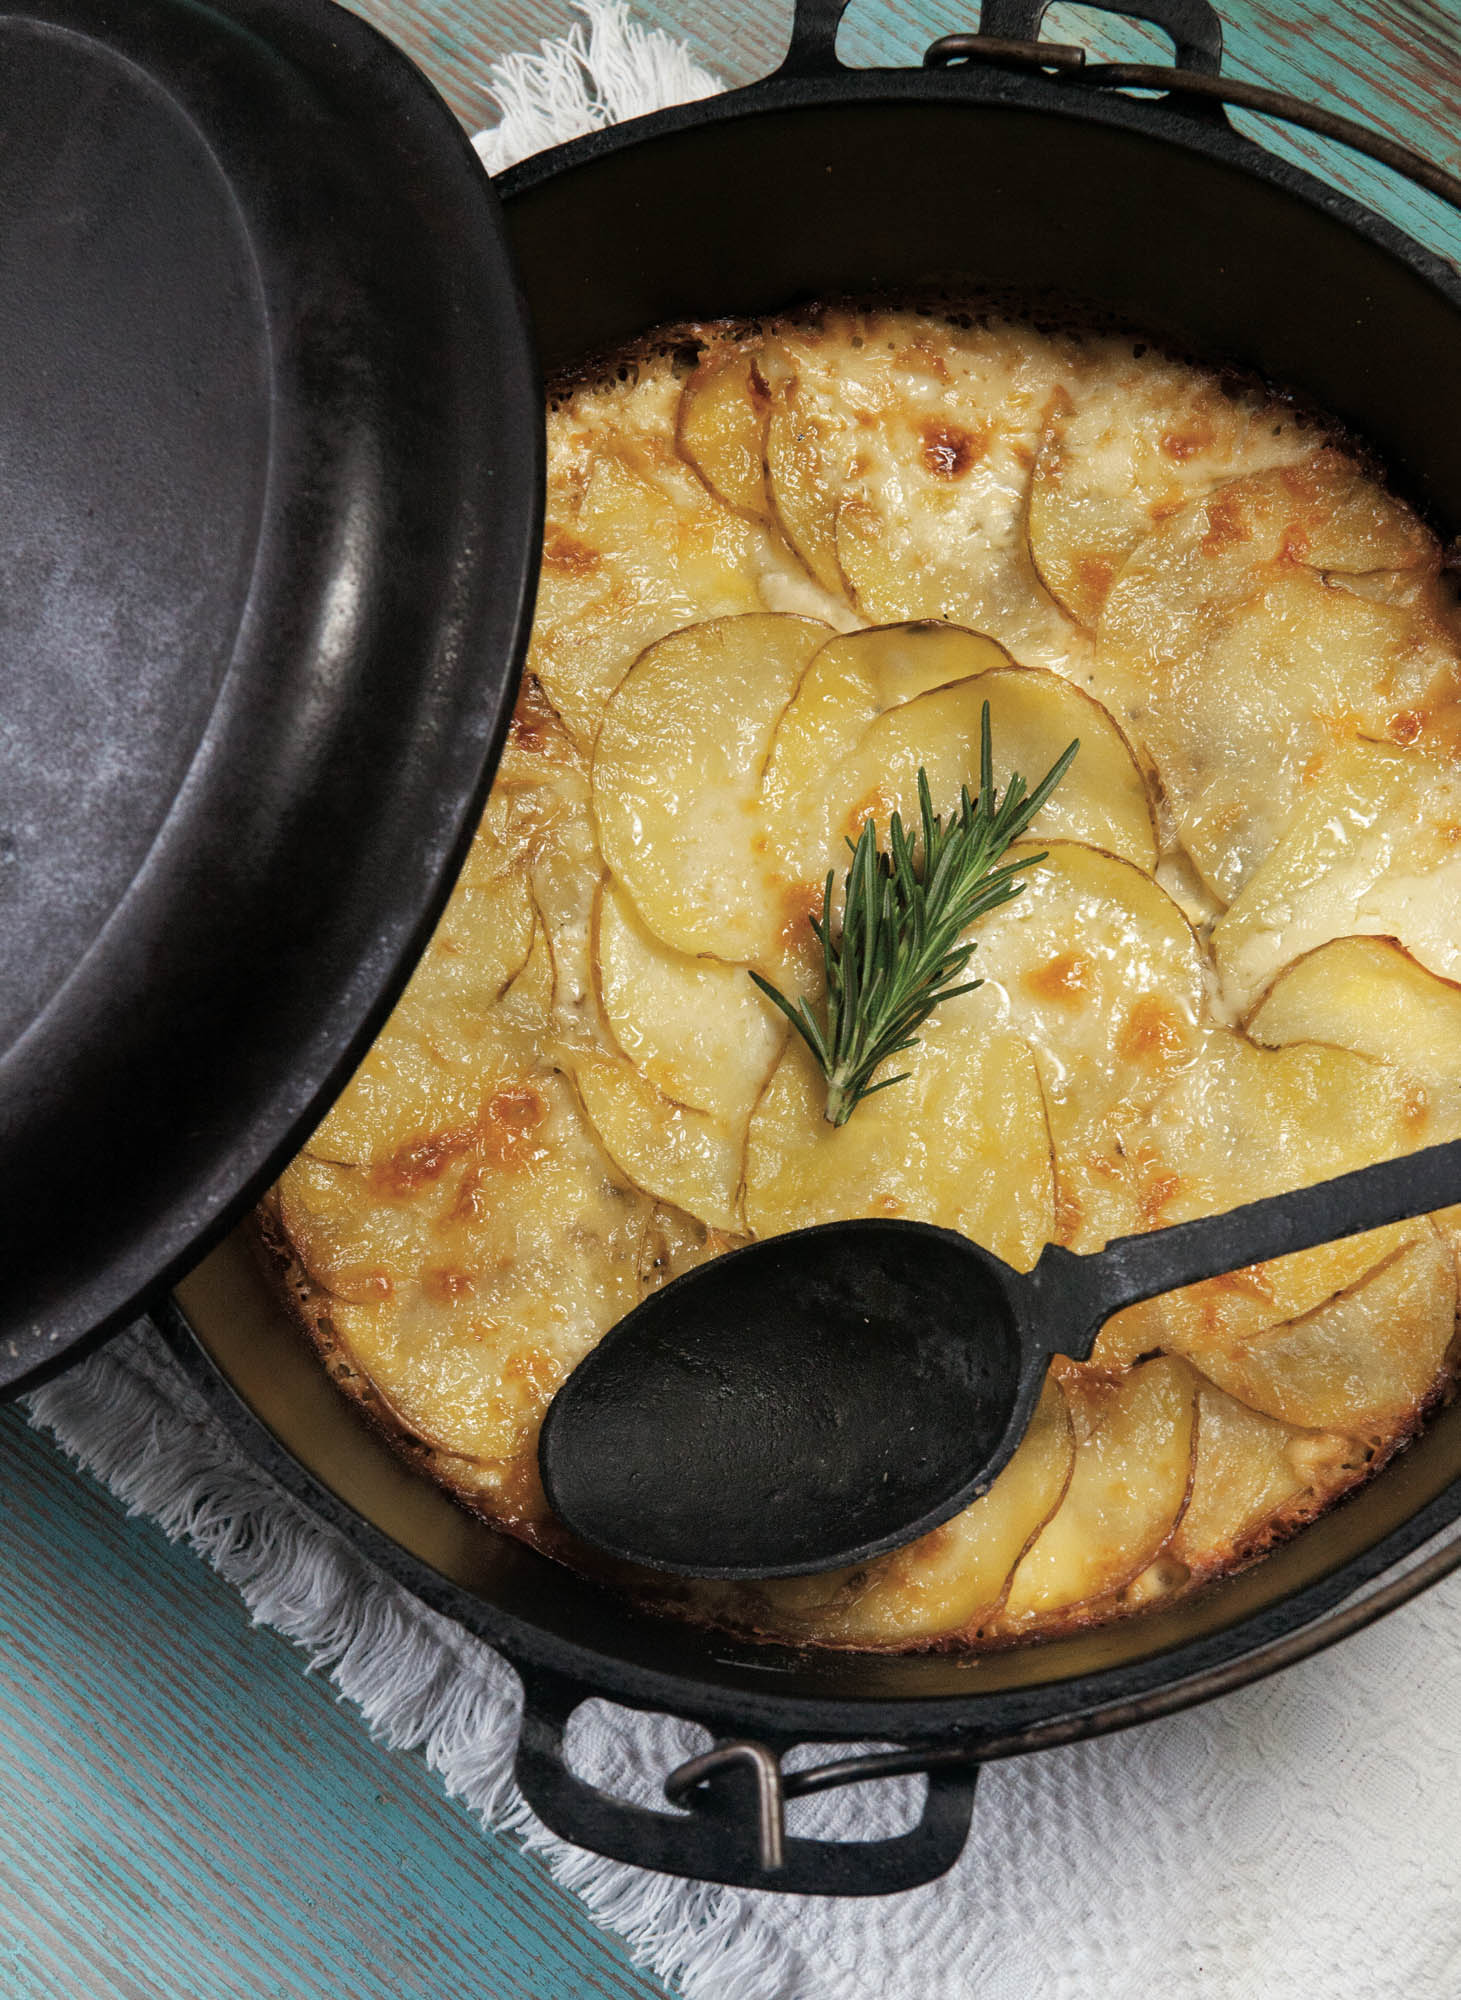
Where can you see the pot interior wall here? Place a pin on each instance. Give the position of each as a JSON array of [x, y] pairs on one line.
[[749, 214]]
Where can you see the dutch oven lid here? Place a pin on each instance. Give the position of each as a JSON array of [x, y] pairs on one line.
[[270, 478]]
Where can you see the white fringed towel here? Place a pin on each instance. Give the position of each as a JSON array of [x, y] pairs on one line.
[[1301, 1836]]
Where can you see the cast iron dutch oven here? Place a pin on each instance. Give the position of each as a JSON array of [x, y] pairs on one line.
[[1004, 165]]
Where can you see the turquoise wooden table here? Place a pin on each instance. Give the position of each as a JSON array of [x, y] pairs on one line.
[[186, 1814]]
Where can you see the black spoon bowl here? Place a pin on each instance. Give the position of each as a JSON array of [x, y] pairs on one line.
[[821, 1397]]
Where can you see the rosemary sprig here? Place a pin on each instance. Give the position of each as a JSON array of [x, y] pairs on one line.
[[897, 955]]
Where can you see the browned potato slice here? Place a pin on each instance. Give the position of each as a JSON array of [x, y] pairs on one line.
[[798, 438], [1243, 1474], [823, 382], [1240, 659], [448, 1271], [851, 681], [1098, 970], [696, 1028], [1363, 1362], [721, 427], [963, 1142], [1228, 1310], [1373, 849], [1363, 994], [677, 781], [1137, 439], [444, 1046], [635, 556], [1367, 993], [1033, 717], [947, 1581], [1239, 1123], [899, 451], [1128, 1486], [670, 1151], [937, 530]]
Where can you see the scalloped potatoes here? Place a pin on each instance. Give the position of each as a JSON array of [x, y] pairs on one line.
[[776, 584]]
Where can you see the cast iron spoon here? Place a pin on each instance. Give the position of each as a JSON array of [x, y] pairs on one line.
[[820, 1397]]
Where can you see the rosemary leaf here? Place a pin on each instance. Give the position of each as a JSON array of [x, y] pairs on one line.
[[898, 953]]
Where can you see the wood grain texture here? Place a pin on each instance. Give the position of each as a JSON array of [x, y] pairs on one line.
[[186, 1815]]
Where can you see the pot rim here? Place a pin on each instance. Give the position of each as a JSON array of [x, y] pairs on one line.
[[1042, 1716], [1053, 1711], [1197, 127]]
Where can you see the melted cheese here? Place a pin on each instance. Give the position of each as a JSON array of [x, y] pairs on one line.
[[582, 1093]]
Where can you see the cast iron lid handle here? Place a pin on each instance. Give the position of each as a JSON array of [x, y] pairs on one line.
[[733, 1826]]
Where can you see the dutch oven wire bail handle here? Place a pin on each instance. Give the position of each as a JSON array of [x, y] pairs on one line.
[[1008, 37]]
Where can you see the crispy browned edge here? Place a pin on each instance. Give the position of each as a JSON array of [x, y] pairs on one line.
[[308, 1304]]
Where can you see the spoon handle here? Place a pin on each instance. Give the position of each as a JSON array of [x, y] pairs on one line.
[[1132, 1268]]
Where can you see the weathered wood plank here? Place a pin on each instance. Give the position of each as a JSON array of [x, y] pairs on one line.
[[188, 1816]]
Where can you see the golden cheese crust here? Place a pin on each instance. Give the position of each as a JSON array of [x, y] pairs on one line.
[[785, 568]]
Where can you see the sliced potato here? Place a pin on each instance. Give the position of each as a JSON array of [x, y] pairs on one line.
[[527, 1002], [949, 1580], [445, 1046], [1368, 993], [1365, 1360], [696, 1028], [963, 1142], [1231, 645], [721, 427], [1136, 439], [449, 1274], [825, 381], [799, 440], [623, 563], [1373, 849], [677, 780], [538, 751], [1240, 1122], [931, 525], [566, 872], [899, 450], [1098, 970], [670, 1151], [1225, 1312], [674, 1243], [1033, 718], [1244, 1472], [851, 681], [1128, 1486]]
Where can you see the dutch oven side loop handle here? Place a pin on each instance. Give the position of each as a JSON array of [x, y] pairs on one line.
[[813, 47], [734, 1829], [1195, 28]]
